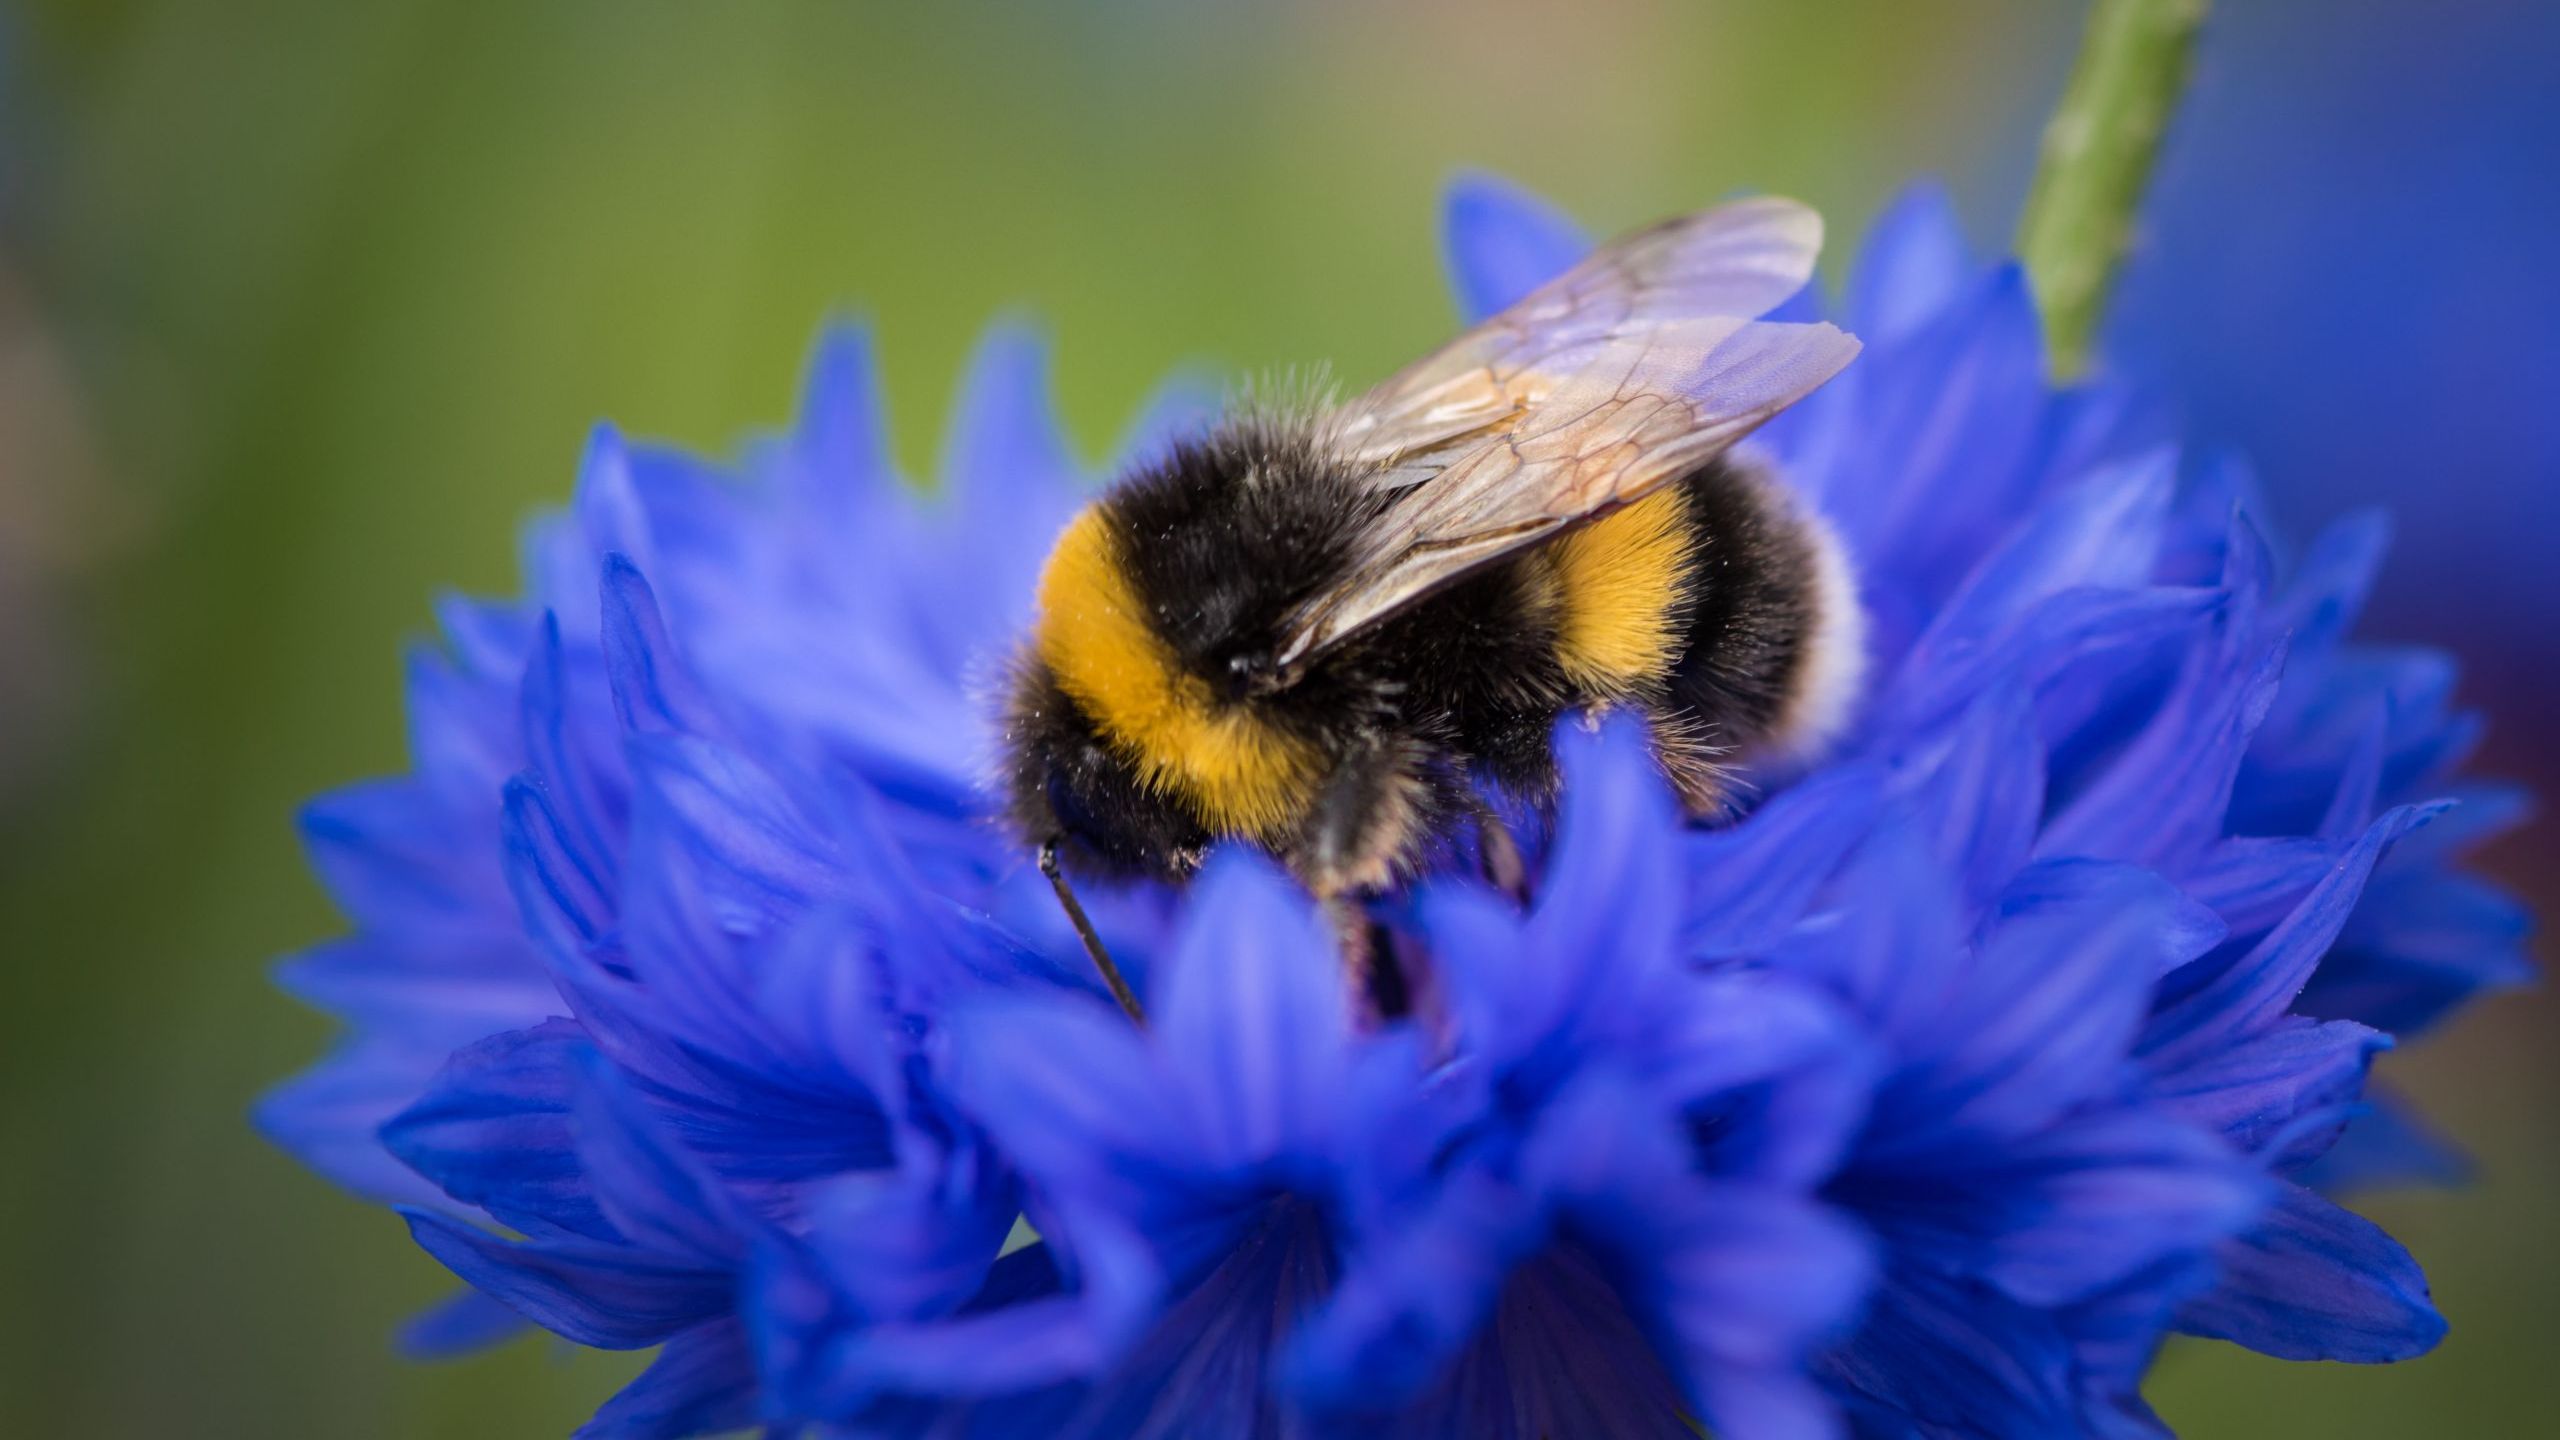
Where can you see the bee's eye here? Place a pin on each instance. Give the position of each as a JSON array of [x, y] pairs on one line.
[[1243, 671]]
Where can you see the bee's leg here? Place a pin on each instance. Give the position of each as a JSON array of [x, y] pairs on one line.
[[1698, 766], [1498, 851], [1373, 812], [1371, 969]]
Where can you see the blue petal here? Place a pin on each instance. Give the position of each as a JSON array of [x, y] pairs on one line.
[[2258, 987], [1981, 791], [1952, 415], [1413, 1297], [560, 572], [2064, 630], [1011, 486], [2188, 929], [702, 1383], [432, 992], [2318, 1283], [462, 1324], [2360, 781], [1754, 881], [806, 1330], [564, 906], [1202, 1369], [1754, 1278], [494, 1131], [2059, 1217], [1561, 1356], [1254, 1016], [2254, 882], [770, 1079], [2254, 1091], [820, 992], [2115, 1337], [2419, 946], [840, 441], [1754, 1404], [657, 1197], [394, 858], [1606, 923], [489, 638], [2386, 1144], [1015, 1347], [1773, 1079], [2103, 532], [2044, 1014], [459, 741], [1004, 442], [1071, 1093], [766, 1056], [608, 507], [1950, 1360], [654, 692], [559, 760], [915, 1241], [1605, 916], [608, 1297], [1534, 1307], [719, 847], [1913, 265], [1501, 242], [329, 1117], [2329, 586], [2166, 794], [2316, 728], [2482, 811], [762, 1127], [1885, 961]]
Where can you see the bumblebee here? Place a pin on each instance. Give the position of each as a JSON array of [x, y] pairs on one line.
[[1331, 631]]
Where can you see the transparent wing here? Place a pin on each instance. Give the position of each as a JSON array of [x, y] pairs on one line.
[[1631, 369]]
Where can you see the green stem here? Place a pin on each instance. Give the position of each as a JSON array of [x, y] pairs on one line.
[[2098, 150]]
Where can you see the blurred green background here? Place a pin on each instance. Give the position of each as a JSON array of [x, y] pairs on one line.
[[304, 305]]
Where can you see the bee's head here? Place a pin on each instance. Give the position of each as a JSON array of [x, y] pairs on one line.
[[1129, 749], [1066, 783]]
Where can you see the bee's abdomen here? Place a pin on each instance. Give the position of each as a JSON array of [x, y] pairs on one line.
[[1717, 606], [1773, 637]]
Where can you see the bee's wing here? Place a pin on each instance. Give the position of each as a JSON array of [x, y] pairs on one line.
[[1629, 370]]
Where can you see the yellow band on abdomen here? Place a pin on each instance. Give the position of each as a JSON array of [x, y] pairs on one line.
[[1621, 582]]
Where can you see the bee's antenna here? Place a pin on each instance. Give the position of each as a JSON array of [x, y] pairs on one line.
[[1067, 901]]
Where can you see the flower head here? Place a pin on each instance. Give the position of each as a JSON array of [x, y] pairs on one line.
[[2013, 1034]]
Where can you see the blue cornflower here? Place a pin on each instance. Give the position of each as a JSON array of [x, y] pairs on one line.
[[1622, 1228], [1926, 1099], [1275, 1220], [2129, 788], [751, 969], [860, 668], [745, 891]]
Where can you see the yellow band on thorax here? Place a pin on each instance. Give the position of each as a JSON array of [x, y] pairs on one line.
[[1242, 773]]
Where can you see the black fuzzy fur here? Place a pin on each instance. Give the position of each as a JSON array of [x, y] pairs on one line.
[[1065, 782], [1752, 609]]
